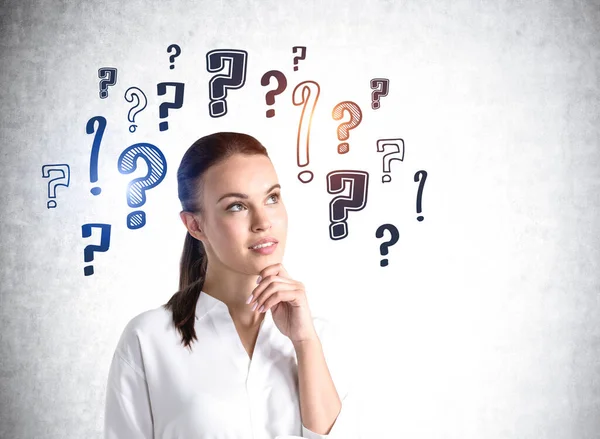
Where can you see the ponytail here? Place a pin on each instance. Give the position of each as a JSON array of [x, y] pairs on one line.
[[191, 280]]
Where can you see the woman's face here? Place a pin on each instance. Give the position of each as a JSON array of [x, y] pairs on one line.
[[242, 204]]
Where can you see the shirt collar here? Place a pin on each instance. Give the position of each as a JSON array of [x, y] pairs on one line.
[[207, 303]]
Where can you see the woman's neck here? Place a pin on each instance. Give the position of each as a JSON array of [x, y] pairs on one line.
[[233, 289]]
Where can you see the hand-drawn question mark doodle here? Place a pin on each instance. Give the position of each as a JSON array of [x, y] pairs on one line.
[[338, 181], [65, 170], [379, 93], [88, 252], [111, 79], [343, 129], [219, 84], [130, 94], [383, 248], [399, 150], [306, 93], [418, 174], [89, 128], [136, 190], [298, 58], [164, 107], [175, 55], [282, 84]]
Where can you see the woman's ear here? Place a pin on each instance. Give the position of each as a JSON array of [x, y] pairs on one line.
[[192, 223]]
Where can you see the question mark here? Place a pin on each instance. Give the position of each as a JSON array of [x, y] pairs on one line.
[[129, 95], [65, 170], [422, 174], [381, 144], [111, 79], [355, 118], [306, 93], [383, 248], [88, 252], [172, 57], [282, 84], [338, 181], [136, 190], [219, 84], [377, 94], [164, 107], [298, 58], [89, 128]]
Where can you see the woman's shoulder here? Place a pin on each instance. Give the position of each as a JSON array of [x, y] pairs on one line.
[[148, 320], [147, 324]]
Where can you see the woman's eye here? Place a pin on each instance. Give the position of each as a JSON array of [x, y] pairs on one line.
[[276, 196], [235, 204]]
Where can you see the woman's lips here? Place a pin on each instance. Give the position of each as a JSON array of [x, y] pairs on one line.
[[265, 250]]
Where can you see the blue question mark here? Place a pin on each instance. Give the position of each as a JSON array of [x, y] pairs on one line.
[[136, 190], [88, 252], [63, 180], [163, 109]]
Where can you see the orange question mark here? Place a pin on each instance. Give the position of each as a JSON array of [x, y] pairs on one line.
[[306, 93], [342, 131]]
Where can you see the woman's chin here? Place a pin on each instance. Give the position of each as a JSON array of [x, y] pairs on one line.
[[264, 261]]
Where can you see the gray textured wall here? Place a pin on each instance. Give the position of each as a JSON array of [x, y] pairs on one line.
[[491, 323]]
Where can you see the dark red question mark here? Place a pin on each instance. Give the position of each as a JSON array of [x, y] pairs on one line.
[[339, 181], [282, 84]]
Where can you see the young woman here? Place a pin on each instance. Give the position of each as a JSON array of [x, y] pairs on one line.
[[260, 363]]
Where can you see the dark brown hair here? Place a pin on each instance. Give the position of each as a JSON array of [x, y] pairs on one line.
[[204, 153]]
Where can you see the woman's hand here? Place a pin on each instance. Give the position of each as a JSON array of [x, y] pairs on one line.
[[287, 301]]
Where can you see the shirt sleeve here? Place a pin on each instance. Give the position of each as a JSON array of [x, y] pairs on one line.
[[337, 355], [128, 412]]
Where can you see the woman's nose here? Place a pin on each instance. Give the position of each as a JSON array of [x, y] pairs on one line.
[[261, 220]]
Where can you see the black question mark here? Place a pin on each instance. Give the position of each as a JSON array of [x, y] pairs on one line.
[[383, 248], [420, 191]]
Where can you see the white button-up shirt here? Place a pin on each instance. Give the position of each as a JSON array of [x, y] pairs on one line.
[[158, 389]]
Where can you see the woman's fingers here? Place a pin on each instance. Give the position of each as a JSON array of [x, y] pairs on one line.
[[275, 269], [264, 283], [270, 290], [278, 297]]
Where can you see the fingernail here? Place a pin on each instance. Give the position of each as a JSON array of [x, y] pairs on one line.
[[261, 308], [255, 305], [258, 280], [249, 298]]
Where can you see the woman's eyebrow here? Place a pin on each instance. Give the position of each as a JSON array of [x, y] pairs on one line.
[[239, 195]]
